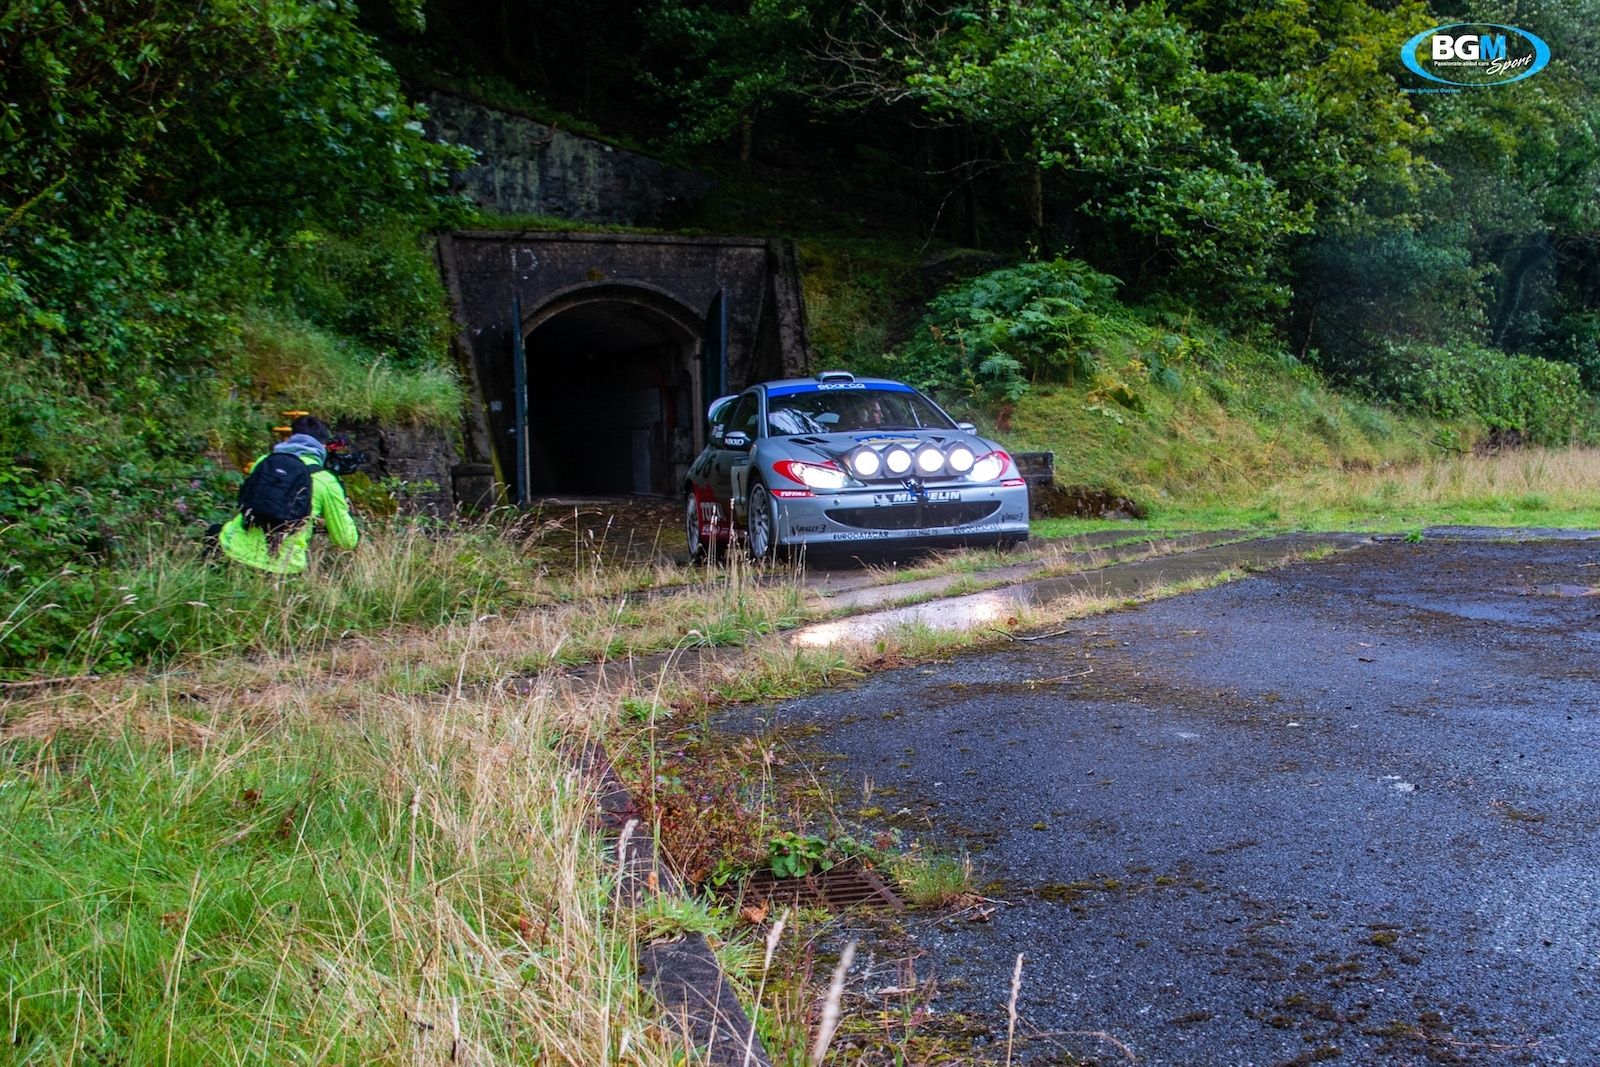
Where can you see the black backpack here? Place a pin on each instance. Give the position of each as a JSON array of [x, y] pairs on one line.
[[277, 494]]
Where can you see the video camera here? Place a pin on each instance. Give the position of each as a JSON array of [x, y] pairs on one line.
[[342, 459]]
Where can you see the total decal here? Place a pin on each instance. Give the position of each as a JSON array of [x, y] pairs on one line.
[[1474, 55]]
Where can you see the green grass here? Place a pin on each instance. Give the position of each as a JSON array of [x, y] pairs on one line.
[[374, 888], [861, 297], [934, 879], [168, 603], [307, 369], [339, 864], [1202, 429]]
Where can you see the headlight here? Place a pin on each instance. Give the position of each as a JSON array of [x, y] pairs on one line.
[[989, 467], [865, 462], [960, 459], [814, 475], [898, 460], [930, 460]]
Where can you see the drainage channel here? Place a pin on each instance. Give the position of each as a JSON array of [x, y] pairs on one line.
[[844, 887], [683, 973]]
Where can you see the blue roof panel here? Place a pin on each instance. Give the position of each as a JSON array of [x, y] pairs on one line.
[[790, 388]]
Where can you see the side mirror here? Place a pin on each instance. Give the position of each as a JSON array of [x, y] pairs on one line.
[[737, 439], [966, 427]]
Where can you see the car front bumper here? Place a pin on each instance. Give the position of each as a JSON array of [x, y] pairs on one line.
[[935, 515]]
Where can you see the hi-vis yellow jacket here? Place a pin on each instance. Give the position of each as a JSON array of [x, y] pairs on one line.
[[328, 503]]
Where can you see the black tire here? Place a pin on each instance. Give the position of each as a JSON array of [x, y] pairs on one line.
[[691, 521], [761, 524]]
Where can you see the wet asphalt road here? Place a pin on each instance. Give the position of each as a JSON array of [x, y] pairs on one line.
[[1346, 809]]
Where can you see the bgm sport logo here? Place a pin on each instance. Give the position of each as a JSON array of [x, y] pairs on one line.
[[1474, 54]]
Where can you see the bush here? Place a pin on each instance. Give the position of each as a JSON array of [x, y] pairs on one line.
[[1575, 339], [174, 175], [988, 338], [1542, 400], [380, 287]]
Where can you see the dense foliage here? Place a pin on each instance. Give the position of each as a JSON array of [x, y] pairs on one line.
[[169, 173], [1262, 161], [988, 340]]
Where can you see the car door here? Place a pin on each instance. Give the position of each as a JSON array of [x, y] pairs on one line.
[[709, 474], [732, 463]]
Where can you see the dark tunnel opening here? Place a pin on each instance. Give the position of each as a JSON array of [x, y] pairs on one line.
[[610, 406]]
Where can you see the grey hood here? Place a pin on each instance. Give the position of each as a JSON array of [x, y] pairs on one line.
[[304, 445]]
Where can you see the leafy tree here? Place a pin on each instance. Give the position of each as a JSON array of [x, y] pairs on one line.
[[1091, 106], [1524, 167], [1366, 293], [727, 66], [1307, 90], [271, 109]]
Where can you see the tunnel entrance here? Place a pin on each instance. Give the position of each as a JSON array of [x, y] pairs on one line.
[[591, 357], [611, 393]]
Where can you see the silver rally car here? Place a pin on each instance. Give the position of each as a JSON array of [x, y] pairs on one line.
[[840, 462]]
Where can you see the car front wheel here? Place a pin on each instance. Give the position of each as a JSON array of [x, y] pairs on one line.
[[691, 518], [761, 523]]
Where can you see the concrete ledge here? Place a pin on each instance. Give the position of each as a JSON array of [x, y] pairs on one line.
[[683, 975]]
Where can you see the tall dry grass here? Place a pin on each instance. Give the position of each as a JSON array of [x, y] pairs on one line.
[[290, 857], [1538, 484], [571, 598]]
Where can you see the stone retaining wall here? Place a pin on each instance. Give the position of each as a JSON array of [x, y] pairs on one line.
[[528, 168], [421, 456]]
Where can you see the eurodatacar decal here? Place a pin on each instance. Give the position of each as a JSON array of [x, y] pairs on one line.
[[1474, 54]]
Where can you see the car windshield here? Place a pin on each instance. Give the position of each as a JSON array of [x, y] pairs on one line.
[[848, 410]]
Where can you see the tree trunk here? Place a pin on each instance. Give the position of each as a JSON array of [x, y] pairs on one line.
[[1524, 261], [1033, 197]]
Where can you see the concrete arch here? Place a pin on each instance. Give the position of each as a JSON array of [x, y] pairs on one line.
[[638, 294]]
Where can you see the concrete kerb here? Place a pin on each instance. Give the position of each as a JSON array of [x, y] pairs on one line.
[[683, 975]]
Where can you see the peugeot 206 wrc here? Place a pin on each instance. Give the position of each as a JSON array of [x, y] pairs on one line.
[[838, 462]]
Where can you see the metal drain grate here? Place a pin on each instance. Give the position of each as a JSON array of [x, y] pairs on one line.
[[849, 885]]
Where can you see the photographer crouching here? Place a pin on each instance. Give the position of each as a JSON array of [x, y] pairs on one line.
[[284, 494]]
